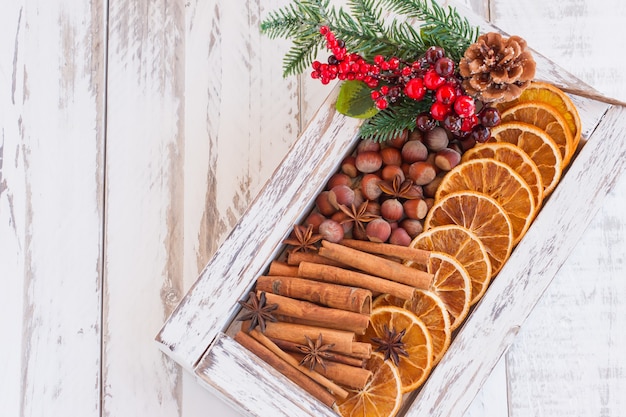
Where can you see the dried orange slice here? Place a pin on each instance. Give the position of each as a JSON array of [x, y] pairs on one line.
[[516, 158], [381, 396], [545, 117], [497, 180], [432, 311], [482, 215], [429, 308], [538, 145], [554, 96], [414, 368], [465, 247], [452, 284]]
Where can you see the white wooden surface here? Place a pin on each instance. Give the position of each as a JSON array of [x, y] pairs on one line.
[[133, 136]]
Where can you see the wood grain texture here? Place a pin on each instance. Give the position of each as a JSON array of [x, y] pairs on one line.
[[51, 175], [144, 204]]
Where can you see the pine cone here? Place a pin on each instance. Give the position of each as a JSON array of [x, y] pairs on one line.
[[496, 68]]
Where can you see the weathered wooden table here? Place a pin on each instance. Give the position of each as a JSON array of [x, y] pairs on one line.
[[135, 134]]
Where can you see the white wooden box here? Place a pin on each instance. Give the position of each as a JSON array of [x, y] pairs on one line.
[[195, 335]]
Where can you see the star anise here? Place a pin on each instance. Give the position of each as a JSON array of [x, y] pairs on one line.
[[315, 352], [358, 216], [398, 188], [303, 239], [259, 312], [391, 345]]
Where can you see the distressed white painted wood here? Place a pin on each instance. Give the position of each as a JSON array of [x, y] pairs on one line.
[[51, 175], [206, 108]]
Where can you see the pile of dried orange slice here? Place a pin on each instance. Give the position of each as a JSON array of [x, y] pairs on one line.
[[482, 209]]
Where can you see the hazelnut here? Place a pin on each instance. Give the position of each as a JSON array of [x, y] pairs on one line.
[[412, 226], [338, 179], [399, 140], [331, 230], [373, 207], [415, 209], [389, 172], [447, 158], [399, 236], [315, 219], [368, 162], [341, 194], [436, 139], [421, 173], [323, 204], [416, 135], [414, 151], [391, 156], [348, 166], [430, 189], [369, 186], [367, 145], [392, 209], [378, 230]]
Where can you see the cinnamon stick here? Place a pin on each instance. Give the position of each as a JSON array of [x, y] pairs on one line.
[[286, 369], [333, 318], [295, 258], [315, 376], [351, 376], [376, 265], [354, 299], [282, 269], [342, 276], [343, 340], [405, 253], [333, 356]]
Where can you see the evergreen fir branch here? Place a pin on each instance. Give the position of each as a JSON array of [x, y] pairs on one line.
[[443, 28], [295, 19], [392, 121], [369, 14], [300, 56]]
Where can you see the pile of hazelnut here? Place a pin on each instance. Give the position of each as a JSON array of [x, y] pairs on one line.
[[383, 191]]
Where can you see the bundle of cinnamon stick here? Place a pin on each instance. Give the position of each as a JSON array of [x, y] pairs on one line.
[[328, 296]]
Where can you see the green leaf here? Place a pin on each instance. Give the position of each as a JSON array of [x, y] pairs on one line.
[[355, 100]]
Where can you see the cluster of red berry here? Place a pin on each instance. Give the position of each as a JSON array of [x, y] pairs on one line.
[[431, 77]]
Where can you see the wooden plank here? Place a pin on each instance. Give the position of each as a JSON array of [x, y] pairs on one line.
[[51, 215], [568, 357], [499, 315], [144, 204]]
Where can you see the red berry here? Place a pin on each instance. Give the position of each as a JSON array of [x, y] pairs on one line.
[[415, 89], [489, 117], [379, 59], [465, 106], [480, 133], [432, 80], [444, 67], [375, 95], [469, 123], [439, 111], [406, 71], [324, 30], [424, 122], [394, 63], [446, 94], [433, 54], [384, 89], [382, 103]]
